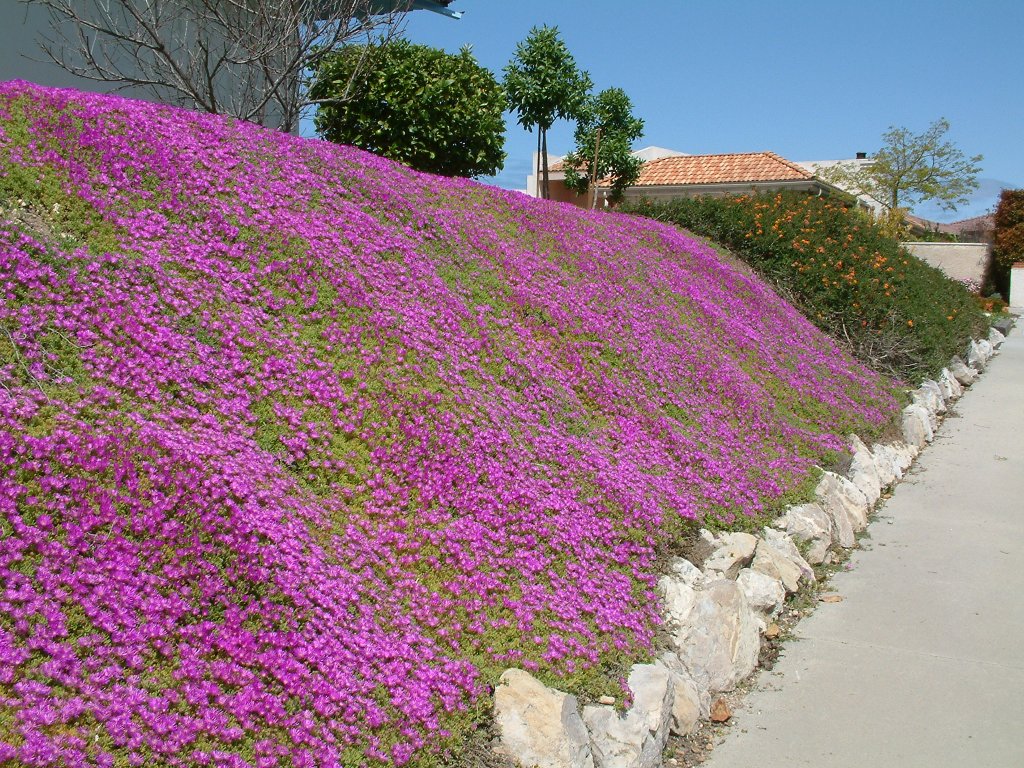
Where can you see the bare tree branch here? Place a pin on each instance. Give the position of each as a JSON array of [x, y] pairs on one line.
[[251, 59]]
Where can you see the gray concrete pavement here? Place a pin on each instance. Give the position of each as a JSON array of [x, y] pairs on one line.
[[922, 663]]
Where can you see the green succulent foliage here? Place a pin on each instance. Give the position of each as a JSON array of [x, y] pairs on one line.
[[435, 111], [611, 112]]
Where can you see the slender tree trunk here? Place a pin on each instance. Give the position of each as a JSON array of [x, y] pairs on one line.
[[536, 167], [544, 159]]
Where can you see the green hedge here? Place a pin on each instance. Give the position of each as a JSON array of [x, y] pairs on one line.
[[895, 312]]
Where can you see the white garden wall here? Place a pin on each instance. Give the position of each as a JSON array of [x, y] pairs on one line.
[[965, 262]]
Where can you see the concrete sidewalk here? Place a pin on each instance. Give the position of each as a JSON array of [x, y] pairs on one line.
[[922, 663]]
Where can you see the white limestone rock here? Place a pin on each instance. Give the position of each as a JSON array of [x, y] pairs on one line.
[[679, 597], [928, 401], [788, 567], [714, 633], [811, 525], [690, 703], [938, 398], [905, 455], [732, 552], [964, 375], [976, 357], [917, 428], [886, 464], [986, 349], [863, 472], [995, 338], [636, 738], [764, 593], [951, 388], [785, 545], [652, 687], [686, 704], [892, 461], [539, 727], [686, 572], [707, 536], [845, 505]]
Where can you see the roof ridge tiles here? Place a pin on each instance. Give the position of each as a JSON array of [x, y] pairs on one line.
[[724, 167]]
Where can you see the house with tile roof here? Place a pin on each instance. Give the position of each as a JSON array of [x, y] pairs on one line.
[[724, 174], [671, 176]]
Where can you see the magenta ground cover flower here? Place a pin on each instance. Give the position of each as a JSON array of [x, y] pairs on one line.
[[300, 448]]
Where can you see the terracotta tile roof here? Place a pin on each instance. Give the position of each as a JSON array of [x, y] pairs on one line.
[[648, 154], [721, 169]]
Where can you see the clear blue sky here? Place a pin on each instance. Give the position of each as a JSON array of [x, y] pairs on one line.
[[808, 80]]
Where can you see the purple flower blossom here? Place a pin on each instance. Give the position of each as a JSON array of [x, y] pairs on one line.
[[295, 441]]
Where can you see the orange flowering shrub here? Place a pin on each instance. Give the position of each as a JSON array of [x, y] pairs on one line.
[[894, 311]]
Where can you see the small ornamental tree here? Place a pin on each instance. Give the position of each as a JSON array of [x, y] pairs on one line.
[[543, 84], [434, 111], [605, 134], [911, 169]]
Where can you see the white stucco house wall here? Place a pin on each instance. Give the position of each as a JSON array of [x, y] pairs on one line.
[[646, 154], [860, 161]]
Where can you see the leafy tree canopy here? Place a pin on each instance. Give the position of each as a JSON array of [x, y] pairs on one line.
[[542, 81], [435, 111], [543, 84], [610, 115], [913, 168]]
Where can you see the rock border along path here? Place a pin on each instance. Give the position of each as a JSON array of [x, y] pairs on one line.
[[716, 616]]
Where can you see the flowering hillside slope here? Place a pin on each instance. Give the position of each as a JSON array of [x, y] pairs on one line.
[[299, 448]]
